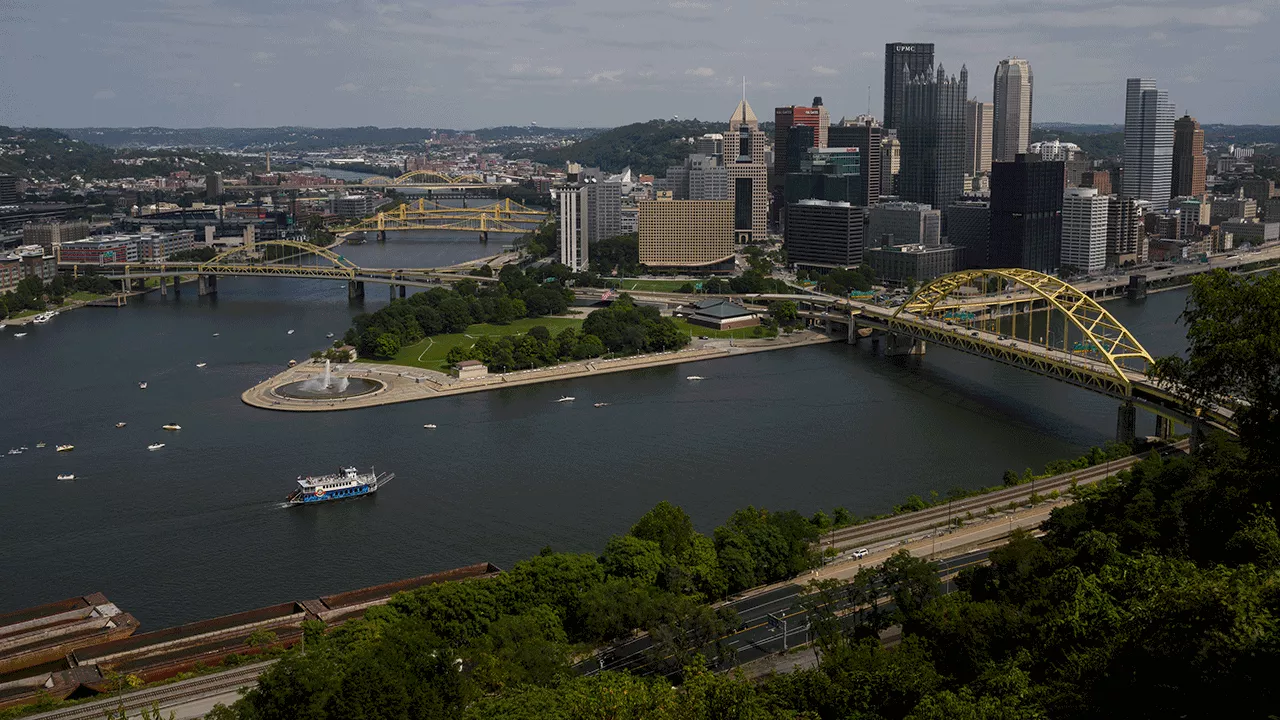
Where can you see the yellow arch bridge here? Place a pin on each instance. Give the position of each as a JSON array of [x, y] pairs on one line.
[[1029, 320], [504, 216], [273, 258], [432, 179]]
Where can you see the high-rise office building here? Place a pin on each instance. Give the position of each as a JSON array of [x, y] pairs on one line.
[[8, 190], [1148, 143], [1084, 230], [711, 144], [890, 165], [791, 116], [1011, 131], [790, 155], [590, 211], [50, 235], [933, 139], [904, 223], [1126, 232], [1026, 214], [822, 234], [701, 177], [214, 187], [969, 229], [1099, 180], [863, 132], [902, 61], [1189, 160], [693, 235], [744, 160], [977, 137], [832, 174]]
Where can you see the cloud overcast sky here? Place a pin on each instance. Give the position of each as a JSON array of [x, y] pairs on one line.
[[476, 63]]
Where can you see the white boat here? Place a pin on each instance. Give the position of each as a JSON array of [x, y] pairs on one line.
[[39, 445], [216, 334], [19, 334], [142, 386], [15, 451], [66, 448], [120, 424], [430, 426], [201, 364], [695, 377], [42, 318], [329, 335], [171, 426], [290, 332], [67, 476], [155, 446], [601, 405], [24, 448], [566, 398]]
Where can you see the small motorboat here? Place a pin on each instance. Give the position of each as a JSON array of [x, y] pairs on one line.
[[330, 335], [695, 377], [290, 332], [67, 476], [155, 446], [39, 445], [19, 334], [142, 386], [24, 448], [66, 448], [430, 426], [120, 424], [292, 363], [216, 334], [171, 426], [15, 451], [601, 405], [201, 364], [566, 398]]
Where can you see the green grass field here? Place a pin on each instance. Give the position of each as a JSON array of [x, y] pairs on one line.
[[430, 353], [655, 285], [698, 330]]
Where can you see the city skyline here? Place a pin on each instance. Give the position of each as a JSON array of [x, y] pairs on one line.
[[233, 63]]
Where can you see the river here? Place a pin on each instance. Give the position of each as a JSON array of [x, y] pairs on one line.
[[197, 529]]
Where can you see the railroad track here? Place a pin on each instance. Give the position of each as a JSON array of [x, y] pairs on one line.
[[164, 695], [895, 527]]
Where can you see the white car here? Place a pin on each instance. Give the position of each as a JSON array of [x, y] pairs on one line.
[[860, 553]]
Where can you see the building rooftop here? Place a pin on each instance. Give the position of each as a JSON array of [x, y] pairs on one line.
[[720, 308]]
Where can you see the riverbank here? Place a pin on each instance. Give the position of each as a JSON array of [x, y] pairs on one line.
[[406, 384]]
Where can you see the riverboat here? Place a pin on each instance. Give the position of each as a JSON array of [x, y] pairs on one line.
[[566, 398], [67, 476], [18, 335], [601, 404], [121, 424], [695, 377], [171, 426], [155, 446], [429, 426], [201, 364], [15, 451], [347, 483], [66, 448], [39, 445]]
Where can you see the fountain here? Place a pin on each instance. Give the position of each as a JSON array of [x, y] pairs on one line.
[[328, 387]]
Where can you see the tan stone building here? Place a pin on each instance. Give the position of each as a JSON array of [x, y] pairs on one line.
[[690, 235], [744, 160]]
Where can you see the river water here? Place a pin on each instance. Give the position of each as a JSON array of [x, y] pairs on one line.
[[198, 529]]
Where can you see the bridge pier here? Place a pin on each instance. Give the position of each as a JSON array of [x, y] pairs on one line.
[[1164, 427], [852, 339], [355, 289], [124, 286], [382, 236], [164, 286], [208, 285], [1126, 423], [484, 236], [903, 345], [403, 291]]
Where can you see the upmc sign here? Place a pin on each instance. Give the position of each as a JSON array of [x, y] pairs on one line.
[[904, 48]]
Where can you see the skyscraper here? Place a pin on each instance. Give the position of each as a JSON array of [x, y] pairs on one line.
[[784, 118], [1026, 214], [917, 58], [1084, 230], [863, 132], [1189, 160], [748, 176], [890, 165], [1011, 129], [932, 135], [977, 137], [1148, 143]]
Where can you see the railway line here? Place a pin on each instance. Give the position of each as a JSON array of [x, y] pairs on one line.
[[164, 695]]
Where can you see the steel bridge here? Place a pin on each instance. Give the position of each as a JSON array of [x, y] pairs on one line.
[[273, 258], [435, 179], [505, 216]]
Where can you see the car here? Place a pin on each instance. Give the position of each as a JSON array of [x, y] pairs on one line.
[[1004, 337], [704, 337], [974, 333], [860, 553]]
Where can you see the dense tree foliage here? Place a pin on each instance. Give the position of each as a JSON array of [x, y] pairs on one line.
[[617, 255], [1155, 595], [648, 147]]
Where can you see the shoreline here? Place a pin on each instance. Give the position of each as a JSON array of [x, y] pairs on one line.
[[402, 383]]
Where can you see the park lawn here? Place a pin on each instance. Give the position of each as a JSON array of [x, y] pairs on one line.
[[655, 285], [430, 353], [82, 296], [697, 330]]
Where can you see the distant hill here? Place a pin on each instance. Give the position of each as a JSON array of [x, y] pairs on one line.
[[289, 137], [647, 147], [1098, 146], [44, 154]]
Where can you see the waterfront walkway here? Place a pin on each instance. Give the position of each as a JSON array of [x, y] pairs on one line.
[[407, 384]]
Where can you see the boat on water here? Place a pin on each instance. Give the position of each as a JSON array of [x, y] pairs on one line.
[[171, 426], [201, 364], [142, 386], [430, 426], [216, 334], [15, 451], [120, 424], [290, 332], [329, 335], [601, 405], [695, 377], [66, 448], [67, 476], [292, 363], [155, 446], [42, 318], [39, 445], [19, 334], [346, 483], [566, 398], [24, 448]]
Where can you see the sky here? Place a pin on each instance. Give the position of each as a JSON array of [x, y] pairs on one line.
[[594, 63]]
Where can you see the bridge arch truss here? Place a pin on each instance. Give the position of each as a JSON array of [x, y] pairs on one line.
[[1094, 349], [427, 177]]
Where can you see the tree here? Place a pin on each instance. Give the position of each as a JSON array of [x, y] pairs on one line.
[[628, 556], [784, 311], [387, 346]]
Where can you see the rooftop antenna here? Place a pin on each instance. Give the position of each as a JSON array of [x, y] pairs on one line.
[[868, 100], [744, 88]]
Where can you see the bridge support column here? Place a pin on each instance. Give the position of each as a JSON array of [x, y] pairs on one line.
[[355, 289], [484, 236], [208, 285], [1197, 436], [382, 236], [164, 286], [1126, 423], [403, 291], [853, 333], [1164, 427], [903, 345], [124, 285]]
